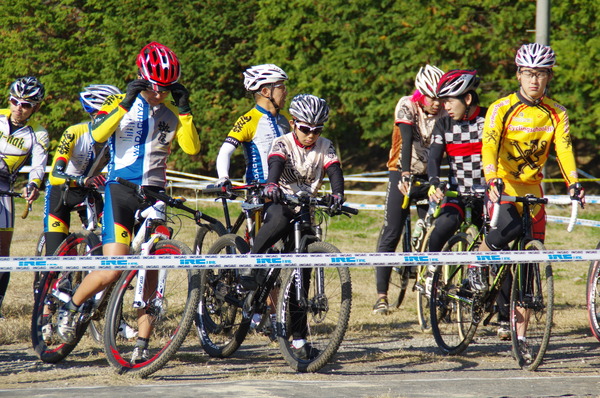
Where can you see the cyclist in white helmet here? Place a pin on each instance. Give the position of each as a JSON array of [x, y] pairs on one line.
[[257, 128], [518, 133], [414, 118], [78, 159], [21, 139]]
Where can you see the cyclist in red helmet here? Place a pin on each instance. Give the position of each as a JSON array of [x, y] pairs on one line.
[[139, 127]]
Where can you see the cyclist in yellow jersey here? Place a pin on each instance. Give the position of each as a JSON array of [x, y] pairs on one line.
[[257, 128], [21, 139], [80, 160], [139, 126], [518, 133]]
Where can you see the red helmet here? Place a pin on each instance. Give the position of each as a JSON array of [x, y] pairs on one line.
[[159, 65]]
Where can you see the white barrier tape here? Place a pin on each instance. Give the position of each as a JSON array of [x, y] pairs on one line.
[[566, 220], [290, 260]]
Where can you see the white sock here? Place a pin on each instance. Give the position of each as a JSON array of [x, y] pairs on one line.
[[298, 343]]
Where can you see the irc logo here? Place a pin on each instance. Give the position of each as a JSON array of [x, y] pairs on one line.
[[35, 263], [416, 258], [272, 260], [195, 261], [347, 260], [493, 257], [116, 262], [560, 257]]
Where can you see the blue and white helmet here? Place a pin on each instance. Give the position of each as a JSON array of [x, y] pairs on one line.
[[92, 97]]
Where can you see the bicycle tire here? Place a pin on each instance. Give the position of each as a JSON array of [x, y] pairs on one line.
[[206, 235], [452, 322], [399, 279], [423, 305], [85, 243], [538, 299], [220, 322], [40, 249], [327, 318], [169, 328], [593, 296], [54, 350]]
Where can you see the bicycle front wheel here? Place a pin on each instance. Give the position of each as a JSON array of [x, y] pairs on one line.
[[531, 310], [399, 278], [593, 296], [206, 236], [168, 317], [220, 322], [320, 318], [451, 303]]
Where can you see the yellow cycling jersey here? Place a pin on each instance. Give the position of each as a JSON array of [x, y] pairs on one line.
[[517, 136], [29, 141]]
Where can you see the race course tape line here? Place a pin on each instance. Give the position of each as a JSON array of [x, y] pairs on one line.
[[77, 263]]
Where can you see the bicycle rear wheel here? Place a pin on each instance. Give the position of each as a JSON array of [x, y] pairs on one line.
[[322, 321], [531, 309], [220, 322], [451, 304], [171, 315], [53, 285], [86, 243], [593, 296]]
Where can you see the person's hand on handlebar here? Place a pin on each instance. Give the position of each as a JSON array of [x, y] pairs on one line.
[[404, 185], [576, 192], [436, 190], [495, 186]]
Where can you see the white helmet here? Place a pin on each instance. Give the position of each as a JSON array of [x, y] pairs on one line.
[[256, 76], [534, 55], [427, 80], [309, 109], [92, 97]]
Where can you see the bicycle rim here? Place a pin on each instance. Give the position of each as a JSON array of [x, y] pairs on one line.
[[531, 305], [593, 298], [53, 350], [399, 280], [323, 321], [170, 316], [219, 320], [451, 300]]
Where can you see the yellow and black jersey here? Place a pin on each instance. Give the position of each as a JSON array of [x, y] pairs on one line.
[[29, 141], [517, 136]]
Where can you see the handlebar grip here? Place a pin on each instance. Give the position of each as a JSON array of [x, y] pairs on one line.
[[495, 214], [406, 202], [26, 211], [213, 189], [349, 210], [127, 183], [574, 210]]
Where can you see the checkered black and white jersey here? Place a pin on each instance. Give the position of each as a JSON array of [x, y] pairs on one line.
[[461, 141]]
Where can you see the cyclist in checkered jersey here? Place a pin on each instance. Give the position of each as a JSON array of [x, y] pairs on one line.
[[459, 136]]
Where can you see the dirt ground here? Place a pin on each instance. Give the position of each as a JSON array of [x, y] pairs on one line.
[[383, 349]]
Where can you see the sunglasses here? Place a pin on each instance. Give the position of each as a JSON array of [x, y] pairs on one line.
[[306, 129], [22, 104]]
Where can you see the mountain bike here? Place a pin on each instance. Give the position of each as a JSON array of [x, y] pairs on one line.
[[593, 296], [214, 312], [165, 299], [416, 240], [317, 299], [459, 308]]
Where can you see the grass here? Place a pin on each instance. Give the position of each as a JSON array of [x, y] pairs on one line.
[[350, 235]]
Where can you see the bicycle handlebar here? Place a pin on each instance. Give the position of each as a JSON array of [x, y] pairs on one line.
[[320, 202], [171, 202]]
